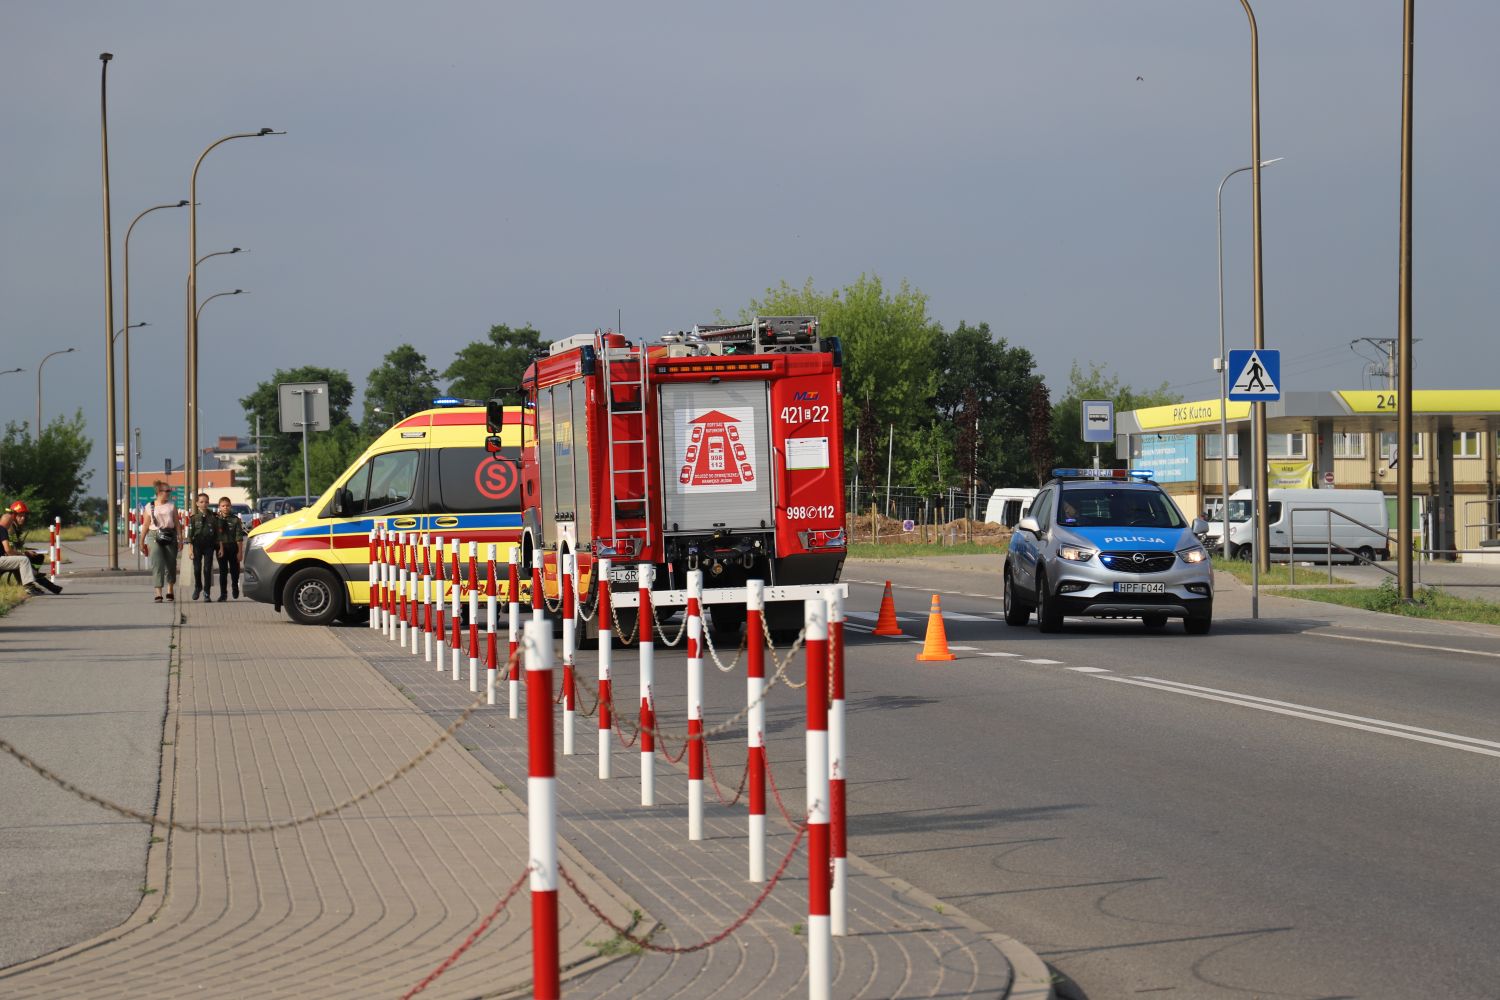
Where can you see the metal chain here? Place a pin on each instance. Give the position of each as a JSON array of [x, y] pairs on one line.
[[615, 614], [475, 935], [714, 653], [781, 665], [578, 609], [708, 758], [771, 774], [669, 643]]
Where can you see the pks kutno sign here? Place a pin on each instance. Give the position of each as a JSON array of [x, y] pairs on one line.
[[717, 446]]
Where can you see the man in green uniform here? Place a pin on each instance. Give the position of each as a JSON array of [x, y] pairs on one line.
[[203, 542], [231, 549]]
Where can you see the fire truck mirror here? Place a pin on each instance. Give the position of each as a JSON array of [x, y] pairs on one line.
[[492, 445], [494, 419]]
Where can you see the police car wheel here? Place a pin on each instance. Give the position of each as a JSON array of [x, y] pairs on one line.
[[1016, 613], [1154, 621], [1048, 615], [1198, 625], [312, 597]]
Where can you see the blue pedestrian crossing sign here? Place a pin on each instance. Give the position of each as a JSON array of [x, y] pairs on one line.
[[1255, 376]]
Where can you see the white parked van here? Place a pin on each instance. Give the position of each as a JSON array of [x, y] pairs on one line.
[[1009, 505], [1299, 524]]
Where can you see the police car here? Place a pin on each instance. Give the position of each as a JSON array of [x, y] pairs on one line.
[[1107, 543]]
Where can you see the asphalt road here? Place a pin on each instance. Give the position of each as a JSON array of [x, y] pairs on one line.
[[1302, 806]]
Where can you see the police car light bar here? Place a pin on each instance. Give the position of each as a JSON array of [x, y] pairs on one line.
[[1103, 474]]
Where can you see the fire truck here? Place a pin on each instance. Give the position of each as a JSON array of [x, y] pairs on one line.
[[719, 448]]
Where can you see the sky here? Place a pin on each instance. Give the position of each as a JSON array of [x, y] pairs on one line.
[[1048, 168]]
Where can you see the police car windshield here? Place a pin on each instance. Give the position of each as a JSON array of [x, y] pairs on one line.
[[1101, 507]]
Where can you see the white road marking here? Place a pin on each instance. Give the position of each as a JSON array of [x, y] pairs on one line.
[[987, 652], [1452, 741], [1409, 645], [1087, 670], [964, 649], [911, 616], [1050, 663]]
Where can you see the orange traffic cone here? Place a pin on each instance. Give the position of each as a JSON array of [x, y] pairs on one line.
[[935, 646], [886, 623]]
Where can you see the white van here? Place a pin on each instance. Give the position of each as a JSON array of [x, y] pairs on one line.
[[1009, 505], [1306, 512]]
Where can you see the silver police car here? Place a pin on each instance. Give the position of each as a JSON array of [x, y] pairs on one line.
[[1107, 544]]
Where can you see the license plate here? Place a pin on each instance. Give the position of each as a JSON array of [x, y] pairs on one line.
[[1140, 588], [622, 574]]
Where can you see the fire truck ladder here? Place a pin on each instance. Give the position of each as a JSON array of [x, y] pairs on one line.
[[626, 378]]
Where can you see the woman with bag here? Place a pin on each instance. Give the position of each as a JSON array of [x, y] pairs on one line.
[[161, 541]]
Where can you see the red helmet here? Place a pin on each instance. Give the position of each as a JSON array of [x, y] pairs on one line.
[[18, 508]]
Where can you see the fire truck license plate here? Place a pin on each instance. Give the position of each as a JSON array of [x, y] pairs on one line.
[[622, 574], [1140, 588]]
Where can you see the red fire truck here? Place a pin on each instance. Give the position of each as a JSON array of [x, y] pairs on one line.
[[719, 448]]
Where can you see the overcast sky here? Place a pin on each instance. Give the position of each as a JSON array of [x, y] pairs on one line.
[[451, 165]]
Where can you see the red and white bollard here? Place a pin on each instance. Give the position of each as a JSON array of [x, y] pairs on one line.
[[402, 583], [474, 617], [513, 626], [130, 529], [695, 702], [513, 618], [387, 582], [645, 576], [421, 587], [440, 598], [491, 648], [755, 692], [569, 639], [374, 575], [837, 834], [541, 814], [427, 598], [458, 615], [605, 633], [819, 932], [56, 546]]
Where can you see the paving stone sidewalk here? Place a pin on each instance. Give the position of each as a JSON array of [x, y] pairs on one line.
[[902, 942], [266, 721]]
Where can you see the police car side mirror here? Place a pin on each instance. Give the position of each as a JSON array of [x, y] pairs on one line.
[[1029, 524]]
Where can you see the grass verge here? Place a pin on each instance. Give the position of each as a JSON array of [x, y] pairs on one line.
[[1428, 602], [1279, 573], [10, 595], [908, 550], [76, 532]]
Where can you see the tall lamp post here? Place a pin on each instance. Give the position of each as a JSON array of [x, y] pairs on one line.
[[37, 432], [1261, 548], [190, 453], [1223, 366], [189, 382], [197, 314], [1403, 325], [129, 466], [109, 320]]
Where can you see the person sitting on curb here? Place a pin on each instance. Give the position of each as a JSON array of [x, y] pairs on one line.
[[14, 558]]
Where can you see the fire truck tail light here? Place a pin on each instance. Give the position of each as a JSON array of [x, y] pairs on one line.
[[613, 548], [832, 539]]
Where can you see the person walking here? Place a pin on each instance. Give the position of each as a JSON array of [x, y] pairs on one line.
[[161, 541], [13, 556], [231, 548], [203, 542]]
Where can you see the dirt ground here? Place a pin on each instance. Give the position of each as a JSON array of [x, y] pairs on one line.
[[890, 531]]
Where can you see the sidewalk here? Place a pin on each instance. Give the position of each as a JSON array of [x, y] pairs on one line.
[[268, 721], [902, 942]]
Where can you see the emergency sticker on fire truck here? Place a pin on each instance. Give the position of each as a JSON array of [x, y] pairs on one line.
[[807, 453], [716, 449]]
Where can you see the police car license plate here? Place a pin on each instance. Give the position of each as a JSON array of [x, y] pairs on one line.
[[1140, 588], [622, 574]]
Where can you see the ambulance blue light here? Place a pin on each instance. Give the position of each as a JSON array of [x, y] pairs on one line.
[[447, 401]]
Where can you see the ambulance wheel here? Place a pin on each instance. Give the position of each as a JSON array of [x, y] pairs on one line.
[[313, 596]]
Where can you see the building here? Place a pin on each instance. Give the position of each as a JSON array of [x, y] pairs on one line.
[[1338, 439]]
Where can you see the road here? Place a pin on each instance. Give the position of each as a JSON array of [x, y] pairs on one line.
[[1301, 806]]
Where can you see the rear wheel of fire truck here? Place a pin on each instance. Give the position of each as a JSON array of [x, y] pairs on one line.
[[784, 620], [727, 620]]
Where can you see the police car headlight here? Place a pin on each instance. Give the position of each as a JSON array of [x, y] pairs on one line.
[[262, 540], [1075, 553], [1196, 554]]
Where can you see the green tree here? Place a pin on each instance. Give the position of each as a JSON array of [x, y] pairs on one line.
[[987, 381], [1096, 383], [50, 473], [402, 385], [281, 453], [494, 364], [890, 352]]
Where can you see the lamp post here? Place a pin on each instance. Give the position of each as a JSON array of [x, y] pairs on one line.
[[109, 320], [129, 465], [1403, 325], [37, 432], [1223, 365], [190, 459], [198, 313], [189, 382]]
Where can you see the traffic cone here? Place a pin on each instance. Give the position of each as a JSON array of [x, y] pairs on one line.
[[935, 646], [886, 623]]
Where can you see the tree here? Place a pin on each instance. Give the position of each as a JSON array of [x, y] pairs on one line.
[[402, 385], [281, 454], [979, 376], [890, 349], [494, 364], [48, 474], [1096, 383]]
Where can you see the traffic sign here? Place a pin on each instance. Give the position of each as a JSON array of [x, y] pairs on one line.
[[1257, 376], [1098, 417]]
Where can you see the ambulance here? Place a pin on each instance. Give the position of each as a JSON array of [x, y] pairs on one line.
[[432, 472]]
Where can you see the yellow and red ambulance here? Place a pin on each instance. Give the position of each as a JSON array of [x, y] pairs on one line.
[[430, 473]]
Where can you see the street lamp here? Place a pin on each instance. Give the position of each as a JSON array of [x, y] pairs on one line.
[[1223, 365], [130, 466], [216, 295], [132, 326], [109, 319], [37, 432], [190, 460]]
